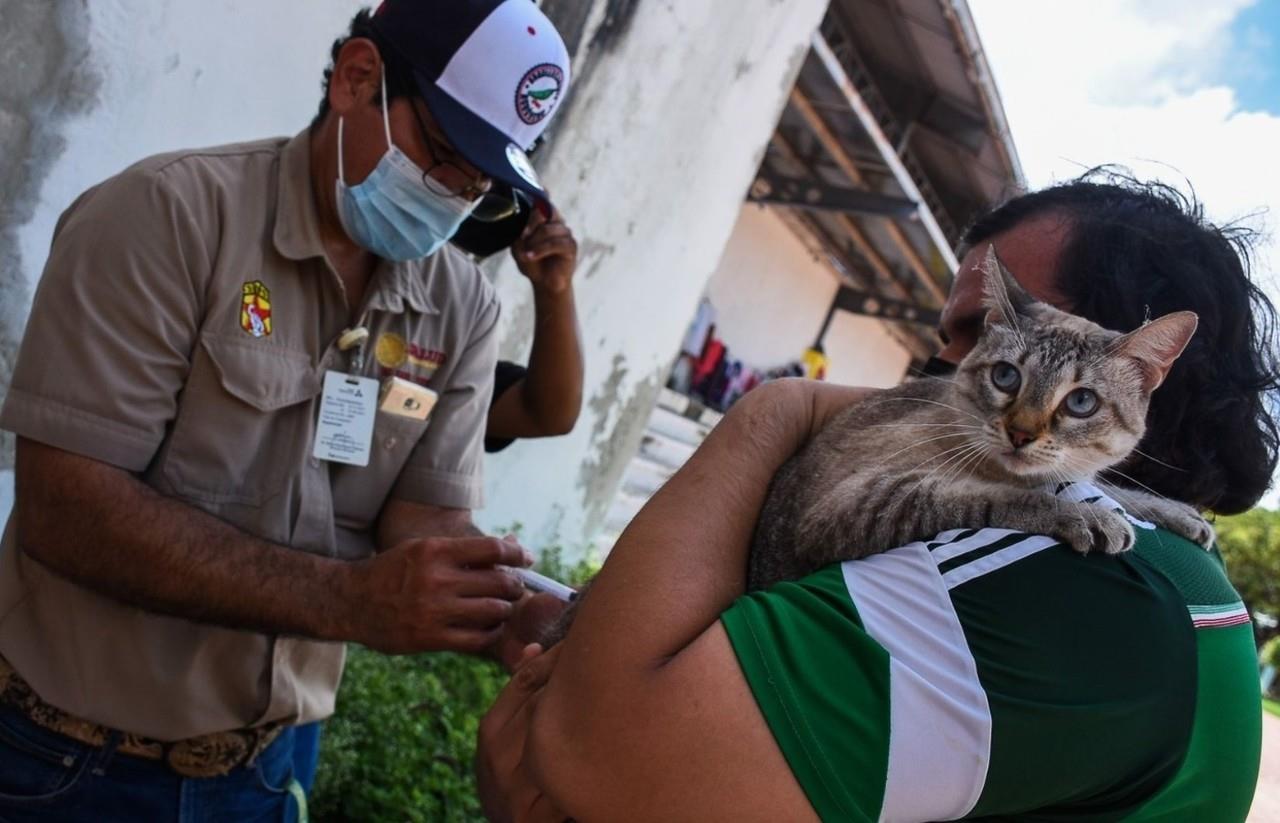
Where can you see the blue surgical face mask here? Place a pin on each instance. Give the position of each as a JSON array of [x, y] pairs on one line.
[[397, 212]]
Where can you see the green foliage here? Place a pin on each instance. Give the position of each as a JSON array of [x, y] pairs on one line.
[[552, 564], [401, 743], [1250, 545], [1269, 654]]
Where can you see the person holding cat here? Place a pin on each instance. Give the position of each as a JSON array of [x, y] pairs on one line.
[[978, 673], [250, 407]]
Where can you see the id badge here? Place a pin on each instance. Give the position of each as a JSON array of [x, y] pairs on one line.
[[348, 407]]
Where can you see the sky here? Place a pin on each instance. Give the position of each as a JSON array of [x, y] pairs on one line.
[[1187, 91]]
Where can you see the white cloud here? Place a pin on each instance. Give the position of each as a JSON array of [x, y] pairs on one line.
[[1138, 82]]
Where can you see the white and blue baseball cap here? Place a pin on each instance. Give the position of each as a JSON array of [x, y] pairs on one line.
[[492, 72]]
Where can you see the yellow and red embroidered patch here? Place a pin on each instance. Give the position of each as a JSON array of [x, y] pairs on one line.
[[408, 361], [255, 309]]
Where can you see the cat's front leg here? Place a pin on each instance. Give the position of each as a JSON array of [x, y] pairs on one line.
[[1177, 517], [974, 505]]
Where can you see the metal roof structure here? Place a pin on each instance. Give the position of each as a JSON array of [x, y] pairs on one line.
[[893, 139]]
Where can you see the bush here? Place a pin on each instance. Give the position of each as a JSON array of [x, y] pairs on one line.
[[1250, 545], [401, 743], [1269, 654]]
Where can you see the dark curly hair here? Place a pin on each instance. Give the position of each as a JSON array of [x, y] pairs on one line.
[[1143, 249], [399, 77]]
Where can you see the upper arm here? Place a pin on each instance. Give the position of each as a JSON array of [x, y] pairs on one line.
[[445, 468], [108, 342], [509, 417], [686, 741]]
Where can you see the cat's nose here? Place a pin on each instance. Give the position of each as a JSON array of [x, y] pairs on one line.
[[1019, 438]]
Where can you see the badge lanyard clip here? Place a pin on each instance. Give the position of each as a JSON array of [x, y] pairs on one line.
[[354, 340]]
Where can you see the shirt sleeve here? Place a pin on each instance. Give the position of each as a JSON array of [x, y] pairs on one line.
[[822, 684], [108, 342], [505, 376], [445, 468]]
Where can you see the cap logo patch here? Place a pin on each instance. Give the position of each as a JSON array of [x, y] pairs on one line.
[[538, 92], [520, 162]]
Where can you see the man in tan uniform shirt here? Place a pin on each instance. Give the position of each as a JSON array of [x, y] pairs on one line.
[[183, 568]]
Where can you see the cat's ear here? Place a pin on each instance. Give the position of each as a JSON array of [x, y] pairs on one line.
[[1004, 299], [1157, 344]]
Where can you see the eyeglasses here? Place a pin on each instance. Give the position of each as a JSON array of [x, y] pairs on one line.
[[489, 206]]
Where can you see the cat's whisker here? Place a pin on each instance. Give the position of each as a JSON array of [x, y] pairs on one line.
[[938, 403], [1141, 453], [969, 426], [964, 451], [1134, 481], [920, 443], [940, 455], [969, 463], [1134, 505]]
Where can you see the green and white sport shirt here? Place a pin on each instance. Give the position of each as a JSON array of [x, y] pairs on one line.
[[1000, 675]]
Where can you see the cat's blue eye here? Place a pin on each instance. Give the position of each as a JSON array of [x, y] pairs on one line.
[[1006, 377], [1081, 403]]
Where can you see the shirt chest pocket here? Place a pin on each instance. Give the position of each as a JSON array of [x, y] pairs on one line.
[[243, 426], [359, 492]]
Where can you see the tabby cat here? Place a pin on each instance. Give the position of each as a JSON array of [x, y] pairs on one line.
[[1045, 397]]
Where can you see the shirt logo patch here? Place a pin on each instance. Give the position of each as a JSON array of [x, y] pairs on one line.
[[392, 351], [538, 92], [255, 309]]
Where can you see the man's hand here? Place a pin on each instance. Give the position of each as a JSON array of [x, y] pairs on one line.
[[507, 789], [436, 594], [547, 254]]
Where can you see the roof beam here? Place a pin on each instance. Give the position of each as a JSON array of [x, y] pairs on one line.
[[913, 341], [815, 195], [836, 150], [863, 112], [860, 241]]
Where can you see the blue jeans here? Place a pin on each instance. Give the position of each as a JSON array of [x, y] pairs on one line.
[[46, 776]]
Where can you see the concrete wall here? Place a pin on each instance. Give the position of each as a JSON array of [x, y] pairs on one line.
[[664, 128], [771, 296]]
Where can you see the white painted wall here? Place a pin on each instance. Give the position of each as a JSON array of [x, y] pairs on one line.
[[771, 296], [178, 74]]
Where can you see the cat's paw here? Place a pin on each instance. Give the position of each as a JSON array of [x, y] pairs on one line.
[[1186, 522], [1089, 528]]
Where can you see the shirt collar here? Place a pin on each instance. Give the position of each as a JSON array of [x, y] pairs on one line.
[[297, 236], [297, 230], [395, 284]]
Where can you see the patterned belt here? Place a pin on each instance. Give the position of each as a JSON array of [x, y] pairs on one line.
[[209, 755]]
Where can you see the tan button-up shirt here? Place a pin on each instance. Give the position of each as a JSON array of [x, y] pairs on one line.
[[182, 329]]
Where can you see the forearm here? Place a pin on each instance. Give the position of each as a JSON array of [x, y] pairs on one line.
[[401, 520], [103, 528], [552, 389]]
